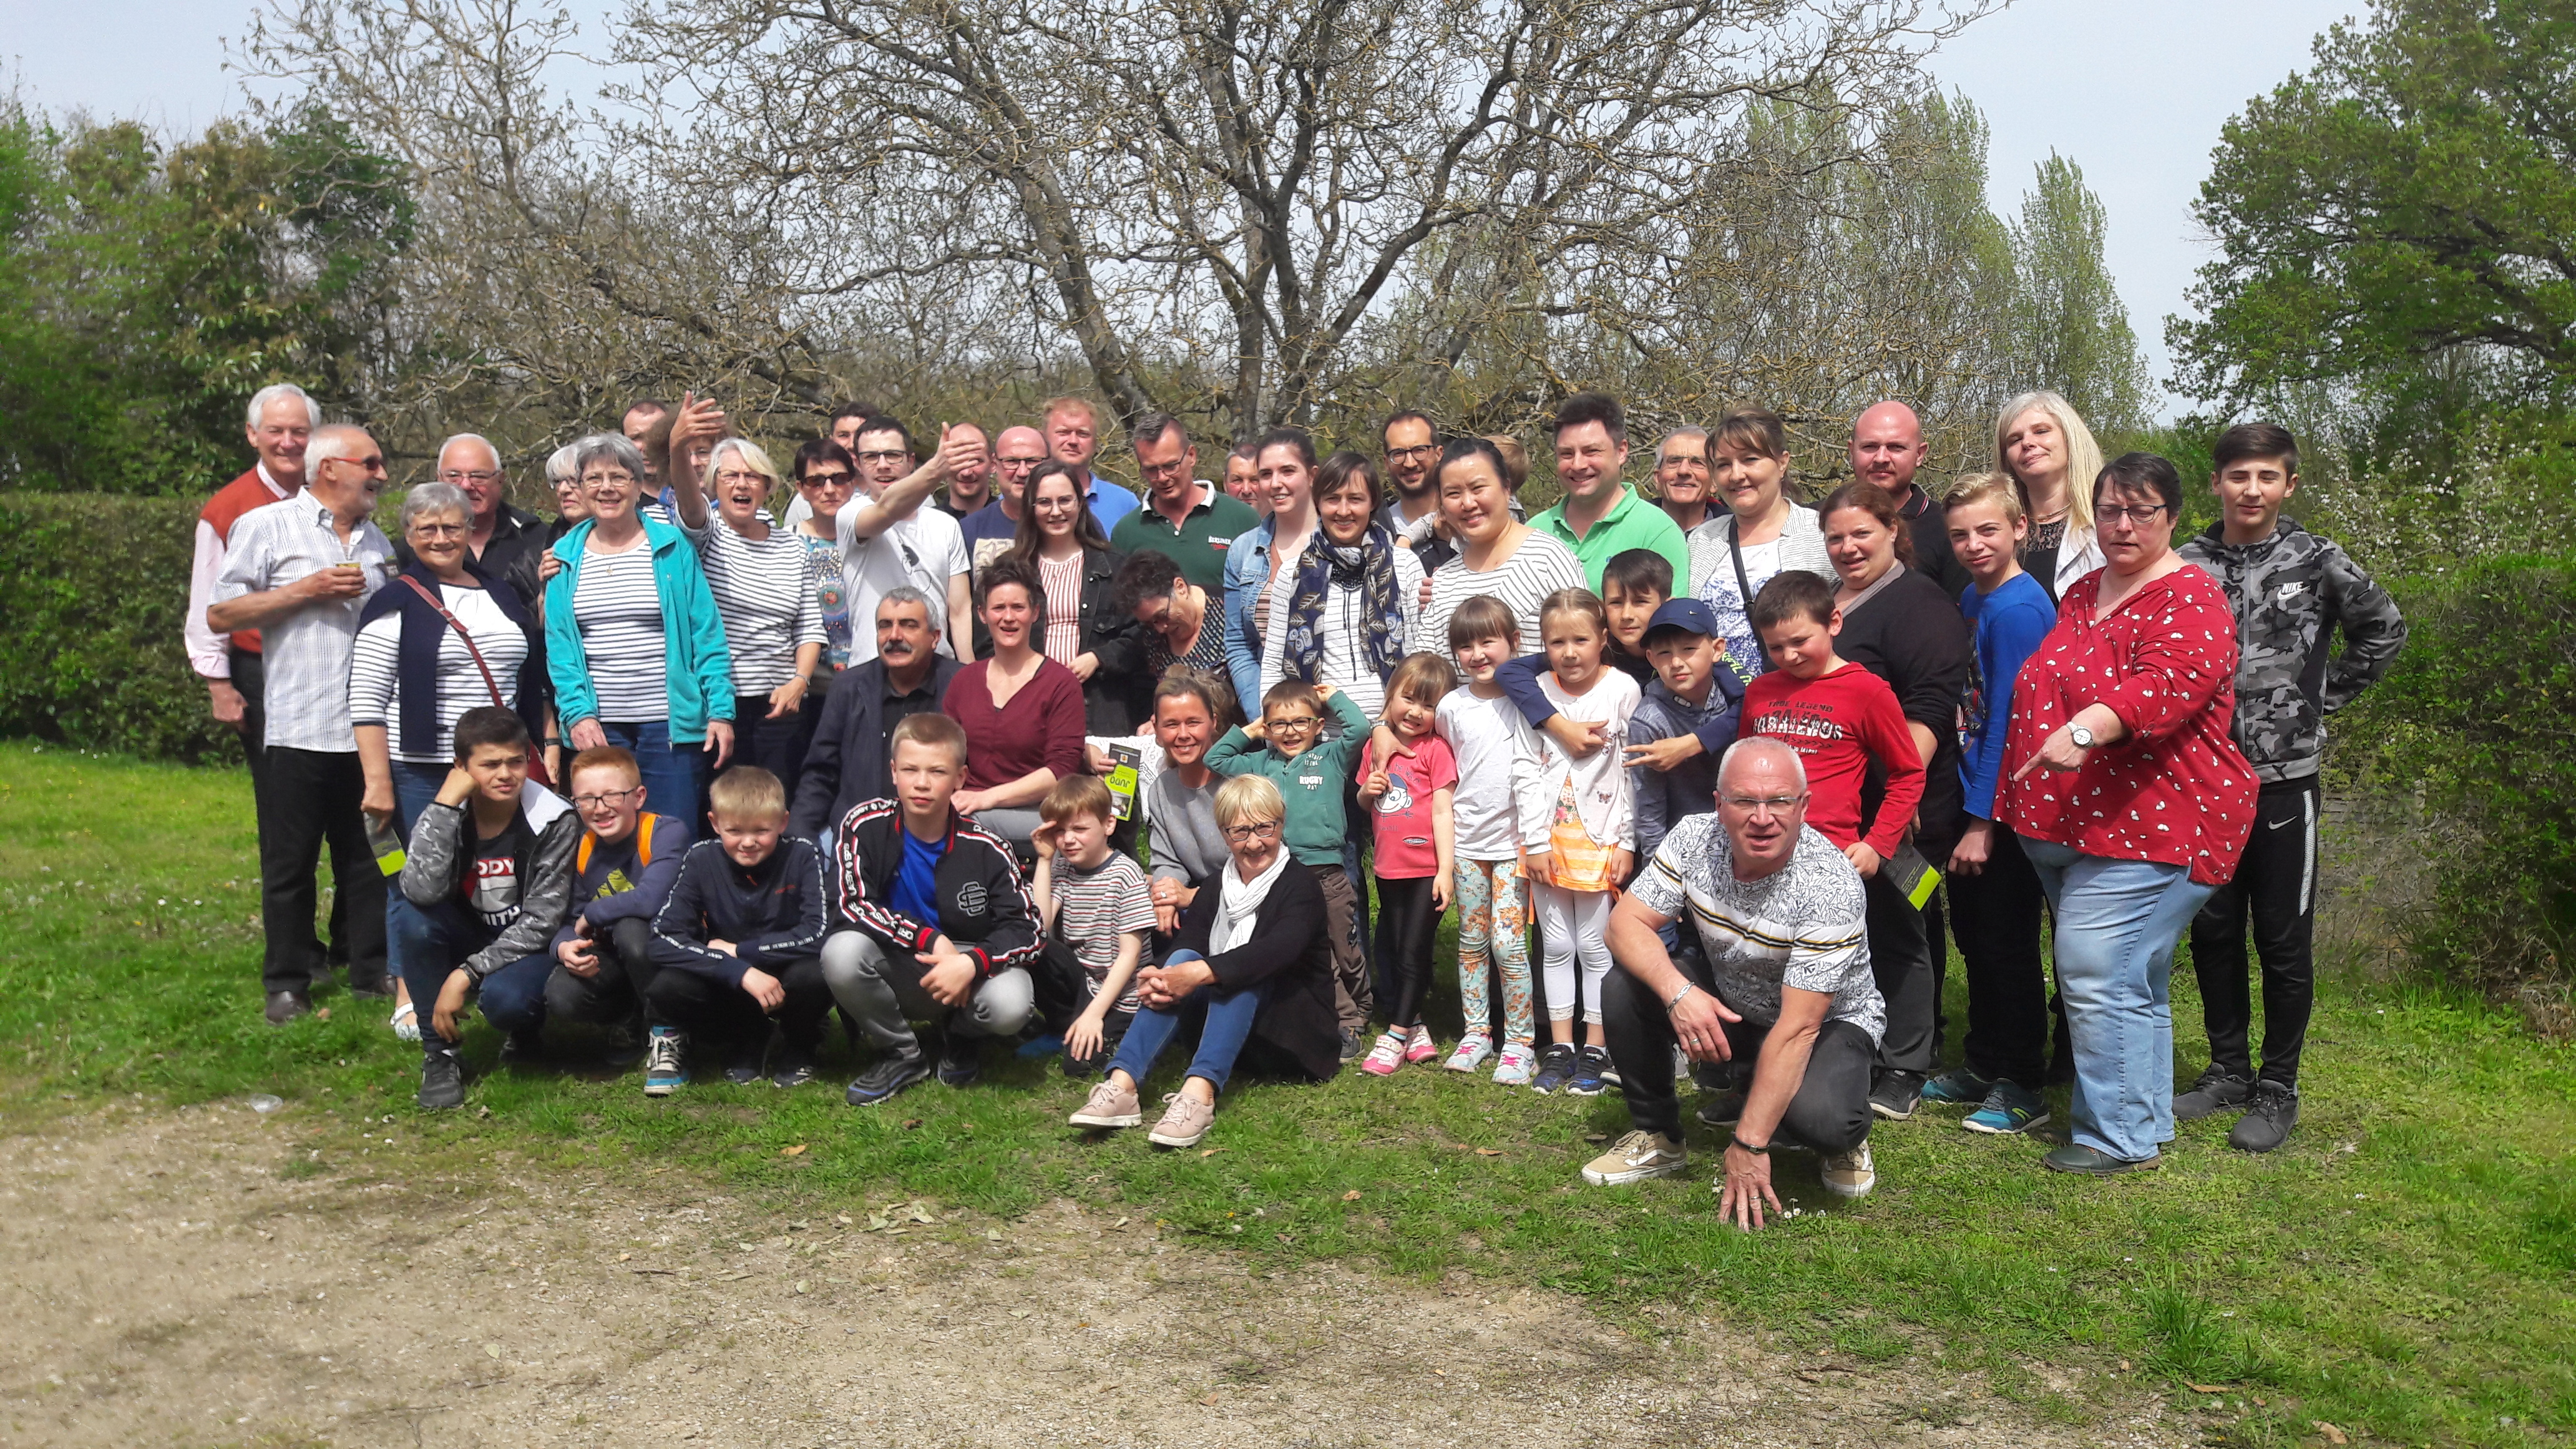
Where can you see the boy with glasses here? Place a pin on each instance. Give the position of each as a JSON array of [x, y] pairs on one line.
[[622, 872]]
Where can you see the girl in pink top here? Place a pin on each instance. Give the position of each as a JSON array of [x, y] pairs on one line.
[[1409, 800]]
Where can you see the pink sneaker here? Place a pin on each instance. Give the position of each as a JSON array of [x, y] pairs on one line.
[[1386, 1056], [1421, 1048]]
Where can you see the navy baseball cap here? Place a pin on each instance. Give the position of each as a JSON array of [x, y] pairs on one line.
[[1691, 616]]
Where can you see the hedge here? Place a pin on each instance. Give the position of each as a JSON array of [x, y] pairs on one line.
[[93, 589]]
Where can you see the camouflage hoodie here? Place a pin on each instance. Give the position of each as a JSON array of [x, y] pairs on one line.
[[2290, 593]]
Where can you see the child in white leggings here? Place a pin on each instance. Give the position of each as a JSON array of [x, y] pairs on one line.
[[1579, 832]]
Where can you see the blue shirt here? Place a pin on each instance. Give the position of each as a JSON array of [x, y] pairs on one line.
[[2009, 624], [916, 882], [1109, 503]]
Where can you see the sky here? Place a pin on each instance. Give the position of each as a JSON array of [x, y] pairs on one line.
[[2134, 94]]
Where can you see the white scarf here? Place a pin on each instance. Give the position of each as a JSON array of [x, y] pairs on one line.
[[1239, 900]]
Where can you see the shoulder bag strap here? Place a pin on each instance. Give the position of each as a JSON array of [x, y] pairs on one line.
[[461, 633]]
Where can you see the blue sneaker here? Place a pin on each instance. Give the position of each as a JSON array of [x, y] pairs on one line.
[[1591, 1068], [1959, 1084], [2008, 1108], [1556, 1065], [1041, 1046], [666, 1061]]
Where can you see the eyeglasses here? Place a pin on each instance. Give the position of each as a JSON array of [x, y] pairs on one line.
[[1419, 452], [618, 476], [1762, 804], [895, 455], [1161, 470], [1257, 830], [608, 797], [1680, 465], [459, 475], [731, 476], [1018, 465], [2139, 516], [440, 530], [1296, 721], [372, 463]]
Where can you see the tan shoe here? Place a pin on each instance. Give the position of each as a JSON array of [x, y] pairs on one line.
[[1636, 1157], [1184, 1122], [1849, 1174], [1110, 1105]]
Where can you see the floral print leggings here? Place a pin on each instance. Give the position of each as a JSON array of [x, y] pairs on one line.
[[1493, 928]]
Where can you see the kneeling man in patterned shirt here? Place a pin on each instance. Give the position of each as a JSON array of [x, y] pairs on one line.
[[1782, 990]]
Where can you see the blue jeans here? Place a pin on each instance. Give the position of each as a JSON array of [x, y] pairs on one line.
[[415, 786], [675, 776], [2117, 924], [1221, 1037], [432, 941]]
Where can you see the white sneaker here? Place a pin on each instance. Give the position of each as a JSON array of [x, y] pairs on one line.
[[1849, 1174], [406, 1023], [1470, 1053], [1517, 1064]]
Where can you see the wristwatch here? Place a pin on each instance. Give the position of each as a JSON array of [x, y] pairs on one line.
[[2082, 737]]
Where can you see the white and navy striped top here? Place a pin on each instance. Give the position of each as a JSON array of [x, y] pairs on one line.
[[618, 608], [1538, 568], [375, 676], [764, 592]]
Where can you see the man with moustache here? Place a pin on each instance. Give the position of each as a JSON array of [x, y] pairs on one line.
[[1412, 459], [1886, 448], [1682, 478], [850, 760]]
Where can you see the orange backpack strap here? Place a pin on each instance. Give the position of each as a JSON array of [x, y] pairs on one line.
[[644, 824]]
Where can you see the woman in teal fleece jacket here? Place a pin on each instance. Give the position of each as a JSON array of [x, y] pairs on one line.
[[634, 645]]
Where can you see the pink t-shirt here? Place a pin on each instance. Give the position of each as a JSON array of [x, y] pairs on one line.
[[1402, 819]]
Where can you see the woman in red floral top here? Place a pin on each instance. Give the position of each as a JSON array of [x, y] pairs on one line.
[[2131, 801]]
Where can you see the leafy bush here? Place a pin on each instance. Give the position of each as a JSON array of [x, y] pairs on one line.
[[2477, 721], [94, 588]]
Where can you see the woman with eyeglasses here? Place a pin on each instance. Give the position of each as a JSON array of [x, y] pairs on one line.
[[634, 644], [1181, 621], [1061, 543], [762, 577], [1251, 964], [826, 476], [2044, 447], [2130, 800]]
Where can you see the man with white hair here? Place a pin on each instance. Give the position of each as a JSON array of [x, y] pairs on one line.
[[509, 541], [300, 571], [1783, 991]]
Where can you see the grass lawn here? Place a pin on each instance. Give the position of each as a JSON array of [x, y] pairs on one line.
[[2405, 1269]]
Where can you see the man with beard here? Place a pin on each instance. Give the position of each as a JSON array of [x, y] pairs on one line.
[[1886, 448], [850, 760], [970, 486], [1413, 470]]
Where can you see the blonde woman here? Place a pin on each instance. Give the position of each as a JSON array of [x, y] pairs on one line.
[[762, 576], [2044, 447]]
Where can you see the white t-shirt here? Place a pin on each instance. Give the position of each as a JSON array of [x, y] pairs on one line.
[[1479, 732], [1543, 773], [925, 551]]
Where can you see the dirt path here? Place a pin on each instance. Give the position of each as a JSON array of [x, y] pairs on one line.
[[170, 1282]]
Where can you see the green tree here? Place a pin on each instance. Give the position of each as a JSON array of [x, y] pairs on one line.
[[2070, 332], [2414, 192]]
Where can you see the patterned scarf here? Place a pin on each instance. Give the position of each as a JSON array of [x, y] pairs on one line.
[[1368, 566]]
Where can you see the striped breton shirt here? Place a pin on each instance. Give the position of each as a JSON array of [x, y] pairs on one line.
[[1062, 580], [618, 608], [764, 592], [375, 675], [1538, 568], [1095, 907]]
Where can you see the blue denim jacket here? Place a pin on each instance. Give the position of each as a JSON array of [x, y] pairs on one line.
[[1247, 572]]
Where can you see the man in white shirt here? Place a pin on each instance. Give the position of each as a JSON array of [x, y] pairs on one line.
[[890, 540], [300, 570]]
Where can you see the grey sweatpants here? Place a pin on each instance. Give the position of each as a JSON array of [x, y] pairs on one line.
[[885, 997]]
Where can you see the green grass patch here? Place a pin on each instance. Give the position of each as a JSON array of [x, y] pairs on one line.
[[2403, 1268]]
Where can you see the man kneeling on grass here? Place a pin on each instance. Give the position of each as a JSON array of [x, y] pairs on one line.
[[739, 943], [935, 923], [1783, 982], [490, 869]]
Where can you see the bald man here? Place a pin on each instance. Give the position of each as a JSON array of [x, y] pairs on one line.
[[1886, 448], [989, 529]]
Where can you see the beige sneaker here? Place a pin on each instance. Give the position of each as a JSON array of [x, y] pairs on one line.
[[1636, 1157], [1849, 1174], [1184, 1122], [1110, 1105]]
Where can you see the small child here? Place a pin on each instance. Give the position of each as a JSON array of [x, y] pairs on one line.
[[1578, 826], [1095, 911], [1410, 800], [740, 939], [1478, 724], [1838, 717], [1694, 694], [1285, 744], [1634, 584]]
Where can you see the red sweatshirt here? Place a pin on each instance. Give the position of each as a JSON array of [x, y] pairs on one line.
[[1836, 724]]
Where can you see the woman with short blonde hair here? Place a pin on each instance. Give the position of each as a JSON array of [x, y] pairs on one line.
[[762, 577]]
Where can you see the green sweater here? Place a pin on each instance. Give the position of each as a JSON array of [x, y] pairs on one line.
[[1311, 783]]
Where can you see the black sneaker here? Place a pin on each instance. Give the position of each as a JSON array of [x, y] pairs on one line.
[[1353, 1048], [523, 1048], [2217, 1090], [2268, 1122], [1721, 1109], [1556, 1064], [794, 1069], [442, 1080], [1896, 1094], [1591, 1069], [743, 1067], [961, 1060], [887, 1077], [625, 1046]]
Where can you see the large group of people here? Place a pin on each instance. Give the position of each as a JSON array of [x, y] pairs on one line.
[[961, 734]]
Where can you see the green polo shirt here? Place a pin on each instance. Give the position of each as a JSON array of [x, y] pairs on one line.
[[1633, 523], [1199, 544]]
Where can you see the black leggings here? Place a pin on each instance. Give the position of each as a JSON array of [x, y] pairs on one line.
[[1407, 920]]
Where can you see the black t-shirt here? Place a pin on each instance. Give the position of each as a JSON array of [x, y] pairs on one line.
[[493, 887], [1925, 653], [2038, 554]]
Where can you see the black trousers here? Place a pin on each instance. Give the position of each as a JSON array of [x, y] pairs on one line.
[[717, 1011], [1830, 1111], [1900, 957], [311, 800], [776, 745], [1406, 923], [615, 995], [250, 680], [2276, 886], [1996, 918]]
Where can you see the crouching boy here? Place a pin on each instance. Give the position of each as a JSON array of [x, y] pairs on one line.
[[739, 942], [1096, 912], [489, 868], [934, 923], [622, 873]]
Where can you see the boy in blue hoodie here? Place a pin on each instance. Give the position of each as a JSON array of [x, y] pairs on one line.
[[740, 941]]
